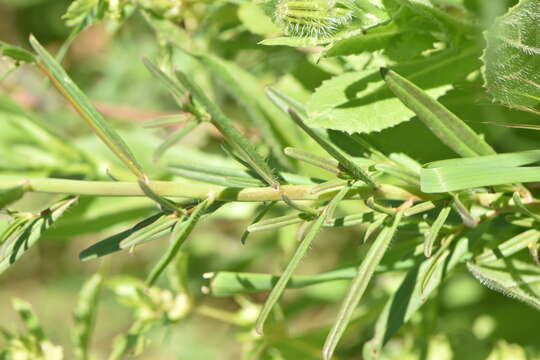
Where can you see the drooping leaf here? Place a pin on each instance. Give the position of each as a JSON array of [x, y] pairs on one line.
[[150, 228], [178, 237], [513, 278], [85, 108], [512, 57], [361, 102], [359, 285], [301, 251], [442, 122]]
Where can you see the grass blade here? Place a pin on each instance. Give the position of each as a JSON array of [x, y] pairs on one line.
[[435, 229], [451, 130], [84, 107], [178, 237], [359, 285], [85, 315], [301, 251], [455, 178]]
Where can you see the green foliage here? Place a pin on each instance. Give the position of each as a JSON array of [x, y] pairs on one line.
[[511, 57], [341, 131]]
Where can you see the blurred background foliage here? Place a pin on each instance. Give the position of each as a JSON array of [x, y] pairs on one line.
[[466, 321]]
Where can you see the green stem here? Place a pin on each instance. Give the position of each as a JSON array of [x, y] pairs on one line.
[[196, 191]]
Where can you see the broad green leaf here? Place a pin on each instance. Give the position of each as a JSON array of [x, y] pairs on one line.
[[442, 122], [512, 57], [301, 251], [85, 316], [85, 108], [29, 234], [450, 17], [513, 278], [361, 102], [359, 285]]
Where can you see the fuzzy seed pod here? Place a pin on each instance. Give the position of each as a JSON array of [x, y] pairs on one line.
[[310, 18]]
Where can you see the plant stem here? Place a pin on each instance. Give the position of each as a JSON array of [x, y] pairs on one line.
[[198, 191]]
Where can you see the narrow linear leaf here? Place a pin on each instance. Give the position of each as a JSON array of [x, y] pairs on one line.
[[85, 315], [451, 130], [508, 247], [455, 178], [175, 139], [326, 164], [513, 278], [301, 251], [409, 298], [225, 126], [149, 228], [178, 237], [435, 229], [348, 165], [265, 207], [359, 285], [244, 87], [85, 108]]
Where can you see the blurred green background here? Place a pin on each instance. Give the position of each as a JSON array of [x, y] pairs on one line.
[[468, 320]]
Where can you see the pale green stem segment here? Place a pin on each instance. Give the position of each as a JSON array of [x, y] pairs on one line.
[[450, 129], [225, 126], [359, 285], [178, 238], [435, 229], [193, 191], [301, 251], [85, 108]]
